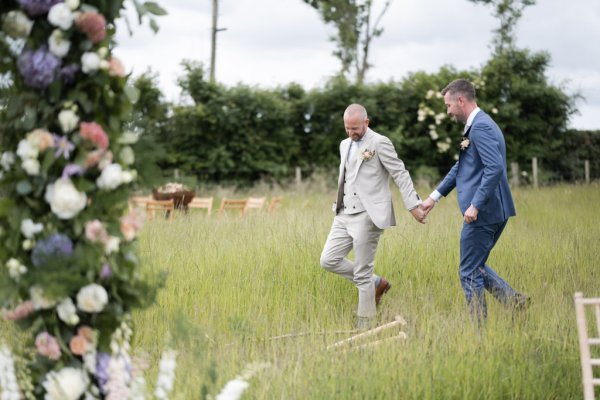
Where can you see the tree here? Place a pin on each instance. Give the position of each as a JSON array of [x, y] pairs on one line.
[[508, 12], [356, 28]]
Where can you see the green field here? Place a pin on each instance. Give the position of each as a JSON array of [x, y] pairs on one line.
[[233, 284]]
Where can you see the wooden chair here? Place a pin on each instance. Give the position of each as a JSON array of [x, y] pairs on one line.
[[202, 202], [255, 203], [138, 202], [274, 204], [229, 204], [167, 207], [585, 342]]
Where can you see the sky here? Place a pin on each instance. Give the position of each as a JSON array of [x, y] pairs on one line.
[[275, 42]]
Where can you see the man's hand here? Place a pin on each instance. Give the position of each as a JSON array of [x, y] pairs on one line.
[[419, 214], [428, 205], [471, 214]]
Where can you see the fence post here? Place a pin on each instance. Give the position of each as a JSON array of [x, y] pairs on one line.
[[514, 172], [534, 171], [298, 175], [586, 166]]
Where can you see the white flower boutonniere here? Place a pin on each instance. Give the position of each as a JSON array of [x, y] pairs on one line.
[[366, 154], [464, 143]]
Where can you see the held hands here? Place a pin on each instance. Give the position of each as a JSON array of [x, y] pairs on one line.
[[419, 214], [471, 214], [428, 205]]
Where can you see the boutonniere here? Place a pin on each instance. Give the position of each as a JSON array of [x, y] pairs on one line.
[[366, 154], [464, 143]]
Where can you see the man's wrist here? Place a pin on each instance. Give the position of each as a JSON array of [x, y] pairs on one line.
[[435, 196]]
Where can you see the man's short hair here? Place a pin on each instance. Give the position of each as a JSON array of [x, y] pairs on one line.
[[460, 87]]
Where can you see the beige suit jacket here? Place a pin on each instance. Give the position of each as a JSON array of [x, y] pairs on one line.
[[372, 178]]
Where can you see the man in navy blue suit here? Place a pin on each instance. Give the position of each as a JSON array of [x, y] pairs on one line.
[[484, 198]]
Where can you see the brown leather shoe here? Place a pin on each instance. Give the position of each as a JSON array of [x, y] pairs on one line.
[[381, 289]]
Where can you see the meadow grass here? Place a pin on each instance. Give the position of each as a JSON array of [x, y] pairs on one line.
[[233, 284]]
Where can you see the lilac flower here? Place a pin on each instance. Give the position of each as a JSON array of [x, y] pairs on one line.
[[38, 68], [106, 272], [67, 73], [63, 146], [102, 362], [54, 246], [72, 169], [38, 7]]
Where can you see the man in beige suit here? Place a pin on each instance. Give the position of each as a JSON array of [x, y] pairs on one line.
[[364, 208]]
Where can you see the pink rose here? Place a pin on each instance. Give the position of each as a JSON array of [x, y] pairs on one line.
[[131, 224], [115, 67], [93, 25], [95, 232], [78, 345], [21, 311], [94, 133], [87, 333], [47, 345]]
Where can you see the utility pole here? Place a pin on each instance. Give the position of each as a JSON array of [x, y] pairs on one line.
[[215, 30]]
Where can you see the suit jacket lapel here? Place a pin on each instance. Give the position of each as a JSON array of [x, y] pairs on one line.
[[365, 145]]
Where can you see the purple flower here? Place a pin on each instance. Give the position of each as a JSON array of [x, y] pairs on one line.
[[38, 7], [102, 361], [54, 246], [106, 272], [67, 73], [72, 169], [38, 68], [63, 147]]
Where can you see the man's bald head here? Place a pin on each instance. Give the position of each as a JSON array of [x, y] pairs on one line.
[[356, 110], [356, 121]]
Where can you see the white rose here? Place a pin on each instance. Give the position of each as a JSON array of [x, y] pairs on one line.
[[112, 245], [104, 64], [128, 176], [92, 298], [68, 120], [67, 312], [17, 25], [102, 52], [65, 201], [27, 244], [126, 155], [31, 166], [90, 62], [36, 295], [129, 137], [111, 177], [67, 384], [26, 150], [60, 15], [72, 4], [58, 44], [7, 160], [30, 228]]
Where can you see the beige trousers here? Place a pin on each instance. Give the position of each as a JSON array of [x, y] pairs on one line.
[[354, 231]]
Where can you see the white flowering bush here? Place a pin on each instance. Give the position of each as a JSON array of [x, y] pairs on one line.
[[68, 265]]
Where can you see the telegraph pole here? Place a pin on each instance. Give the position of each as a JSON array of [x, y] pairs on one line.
[[215, 30]]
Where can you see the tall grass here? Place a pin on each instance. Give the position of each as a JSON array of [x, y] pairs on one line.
[[234, 284]]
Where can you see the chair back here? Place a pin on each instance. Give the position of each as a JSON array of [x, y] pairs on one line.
[[585, 342], [255, 203], [230, 204], [274, 204], [202, 203], [138, 202], [166, 207]]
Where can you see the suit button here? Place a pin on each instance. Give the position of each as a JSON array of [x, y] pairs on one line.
[[353, 207], [355, 194], [344, 207]]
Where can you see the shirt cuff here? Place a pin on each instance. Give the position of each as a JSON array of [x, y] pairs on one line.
[[435, 195]]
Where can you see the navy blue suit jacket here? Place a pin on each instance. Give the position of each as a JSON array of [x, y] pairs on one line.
[[480, 175]]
